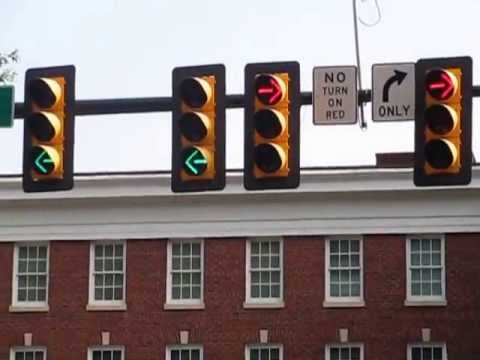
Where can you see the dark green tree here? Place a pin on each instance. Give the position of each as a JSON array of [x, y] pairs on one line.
[[7, 74]]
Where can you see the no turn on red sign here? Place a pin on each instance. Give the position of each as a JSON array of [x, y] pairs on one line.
[[335, 98]]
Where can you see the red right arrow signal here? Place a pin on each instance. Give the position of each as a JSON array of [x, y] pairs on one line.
[[268, 89], [440, 84]]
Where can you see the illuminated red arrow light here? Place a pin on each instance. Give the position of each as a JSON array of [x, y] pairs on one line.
[[441, 84], [268, 89]]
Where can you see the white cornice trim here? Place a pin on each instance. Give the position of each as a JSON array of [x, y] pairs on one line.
[[327, 203]]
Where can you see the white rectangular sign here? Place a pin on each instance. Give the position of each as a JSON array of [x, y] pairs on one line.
[[393, 92], [335, 98]]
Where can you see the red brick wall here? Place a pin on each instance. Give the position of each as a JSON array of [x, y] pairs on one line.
[[385, 325]]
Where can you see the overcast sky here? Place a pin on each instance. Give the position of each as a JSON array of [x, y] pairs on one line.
[[128, 49]]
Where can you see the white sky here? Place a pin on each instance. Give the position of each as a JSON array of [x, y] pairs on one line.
[[128, 48]]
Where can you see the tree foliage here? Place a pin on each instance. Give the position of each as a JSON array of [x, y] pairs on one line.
[[7, 74]]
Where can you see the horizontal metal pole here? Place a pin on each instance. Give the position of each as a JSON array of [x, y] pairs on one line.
[[164, 104]]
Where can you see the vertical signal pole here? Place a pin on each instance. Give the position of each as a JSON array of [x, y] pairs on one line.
[[272, 126], [198, 128], [49, 129], [443, 121]]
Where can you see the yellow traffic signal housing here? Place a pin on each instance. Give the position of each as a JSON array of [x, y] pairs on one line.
[[443, 152], [49, 129], [272, 126], [198, 143]]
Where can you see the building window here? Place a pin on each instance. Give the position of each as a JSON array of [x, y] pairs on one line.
[[264, 272], [344, 352], [30, 276], [264, 352], [427, 352], [28, 353], [106, 353], [185, 273], [344, 271], [107, 273], [184, 352], [426, 269]]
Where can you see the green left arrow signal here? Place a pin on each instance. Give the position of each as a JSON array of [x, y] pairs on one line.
[[194, 162], [42, 161]]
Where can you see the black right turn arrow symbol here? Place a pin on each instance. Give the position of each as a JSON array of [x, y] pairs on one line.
[[398, 77]]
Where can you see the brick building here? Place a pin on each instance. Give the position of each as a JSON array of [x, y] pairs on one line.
[[355, 264]]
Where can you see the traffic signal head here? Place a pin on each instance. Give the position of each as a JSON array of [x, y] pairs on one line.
[[443, 152], [272, 126], [198, 129], [49, 129]]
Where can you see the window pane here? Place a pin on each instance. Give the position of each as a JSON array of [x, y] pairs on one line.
[[42, 266], [196, 263], [98, 280], [265, 248], [186, 292], [355, 260], [108, 293], [118, 279], [22, 266], [186, 249], [32, 281], [118, 293], [38, 355], [426, 245], [118, 264], [427, 353], [196, 278], [274, 354], [255, 277], [425, 258], [175, 251], [415, 275], [264, 354], [344, 276], [334, 275], [415, 259], [355, 275], [99, 265], [436, 245], [344, 246], [32, 266], [334, 246], [426, 275], [275, 247], [355, 353], [98, 253], [108, 264], [41, 295], [415, 244], [344, 353], [355, 289], [265, 291], [437, 288], [185, 355], [255, 247], [186, 264], [97, 355], [344, 290], [196, 292], [334, 260], [186, 279], [42, 281], [117, 355], [334, 354], [355, 246], [254, 354], [334, 290], [437, 353], [19, 355], [275, 276], [22, 252], [22, 281], [107, 355], [196, 249], [109, 251], [119, 251], [436, 259], [276, 291], [416, 289], [176, 292], [22, 295], [264, 262], [255, 291], [28, 355], [344, 260], [175, 355], [31, 295], [436, 274], [98, 293], [109, 280], [275, 261], [32, 252], [176, 279], [265, 277], [195, 354], [255, 262]]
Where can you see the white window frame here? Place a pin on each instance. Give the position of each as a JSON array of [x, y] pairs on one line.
[[91, 349], [248, 347], [14, 349], [411, 300], [343, 301], [169, 348], [106, 305], [28, 306], [262, 302], [427, 344], [343, 345], [180, 304]]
